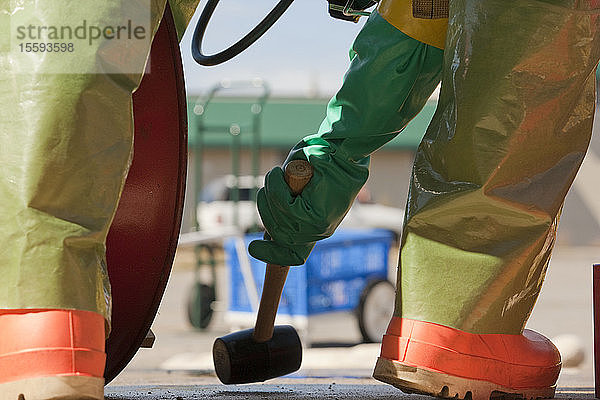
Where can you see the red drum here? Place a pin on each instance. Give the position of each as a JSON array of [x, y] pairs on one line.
[[143, 237]]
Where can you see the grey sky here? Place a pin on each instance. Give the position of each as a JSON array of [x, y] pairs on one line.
[[305, 52]]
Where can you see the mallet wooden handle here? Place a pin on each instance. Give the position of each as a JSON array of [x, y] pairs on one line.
[[297, 175]]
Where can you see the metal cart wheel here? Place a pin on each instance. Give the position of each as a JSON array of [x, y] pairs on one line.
[[375, 310], [200, 303], [203, 294]]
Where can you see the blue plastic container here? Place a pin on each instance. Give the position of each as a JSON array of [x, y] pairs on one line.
[[333, 278]]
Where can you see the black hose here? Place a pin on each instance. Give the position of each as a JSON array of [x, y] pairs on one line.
[[242, 44]]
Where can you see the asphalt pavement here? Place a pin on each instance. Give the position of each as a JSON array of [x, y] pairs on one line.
[[289, 390]]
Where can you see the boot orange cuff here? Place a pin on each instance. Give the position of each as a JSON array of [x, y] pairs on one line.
[[513, 361], [40, 343]]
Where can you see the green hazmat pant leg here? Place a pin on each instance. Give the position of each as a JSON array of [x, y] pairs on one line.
[[389, 80], [511, 129], [66, 134]]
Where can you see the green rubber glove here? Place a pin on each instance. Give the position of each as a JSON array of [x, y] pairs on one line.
[[389, 81], [295, 223]]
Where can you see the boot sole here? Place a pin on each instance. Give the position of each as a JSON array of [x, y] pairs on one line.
[[54, 388], [421, 381]]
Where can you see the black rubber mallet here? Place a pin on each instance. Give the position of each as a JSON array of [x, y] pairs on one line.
[[267, 351]]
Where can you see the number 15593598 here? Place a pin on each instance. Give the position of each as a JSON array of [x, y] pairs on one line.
[[47, 47]]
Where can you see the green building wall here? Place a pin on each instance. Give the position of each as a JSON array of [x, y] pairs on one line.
[[283, 122]]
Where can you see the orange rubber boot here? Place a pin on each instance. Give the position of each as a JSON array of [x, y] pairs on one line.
[[51, 355], [427, 358]]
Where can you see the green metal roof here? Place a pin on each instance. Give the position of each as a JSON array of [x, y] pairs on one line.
[[283, 122]]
